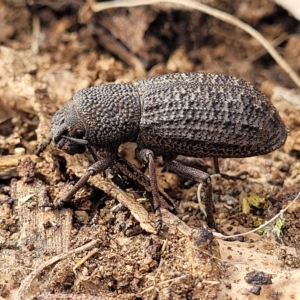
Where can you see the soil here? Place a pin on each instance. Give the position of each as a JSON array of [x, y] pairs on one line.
[[104, 245]]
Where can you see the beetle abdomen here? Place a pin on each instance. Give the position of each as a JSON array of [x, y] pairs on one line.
[[204, 114]]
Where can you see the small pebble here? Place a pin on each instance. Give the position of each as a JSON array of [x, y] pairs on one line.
[[82, 216], [222, 216], [223, 222], [244, 292], [255, 290], [19, 151], [228, 285], [229, 228], [33, 144], [186, 217]]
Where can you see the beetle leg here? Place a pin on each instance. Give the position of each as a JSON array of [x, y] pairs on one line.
[[146, 155], [43, 146], [239, 176], [134, 173], [99, 166], [216, 165], [200, 176]]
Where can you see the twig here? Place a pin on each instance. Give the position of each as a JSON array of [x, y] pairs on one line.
[[276, 42], [84, 259], [172, 280], [201, 206], [36, 29], [136, 209], [223, 16], [28, 280]]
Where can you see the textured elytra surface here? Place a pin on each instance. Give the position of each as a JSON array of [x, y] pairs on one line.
[[204, 114]]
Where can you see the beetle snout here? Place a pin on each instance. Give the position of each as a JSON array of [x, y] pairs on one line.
[[59, 130], [57, 138], [70, 147], [58, 127], [68, 132], [60, 134]]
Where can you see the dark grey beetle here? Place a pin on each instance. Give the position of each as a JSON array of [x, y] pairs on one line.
[[192, 114]]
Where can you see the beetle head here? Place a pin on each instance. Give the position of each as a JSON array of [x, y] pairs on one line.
[[68, 132]]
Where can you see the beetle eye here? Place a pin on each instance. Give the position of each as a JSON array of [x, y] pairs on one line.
[[79, 133]]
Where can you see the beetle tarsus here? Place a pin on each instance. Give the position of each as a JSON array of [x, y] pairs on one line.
[[146, 155]]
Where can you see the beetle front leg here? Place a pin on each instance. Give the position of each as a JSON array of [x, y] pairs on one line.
[[98, 167], [147, 156]]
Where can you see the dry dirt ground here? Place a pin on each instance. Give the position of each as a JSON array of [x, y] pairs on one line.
[[96, 248]]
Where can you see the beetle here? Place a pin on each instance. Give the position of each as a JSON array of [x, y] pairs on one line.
[[191, 114]]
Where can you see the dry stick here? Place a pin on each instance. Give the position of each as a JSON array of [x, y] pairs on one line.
[[136, 209], [84, 259], [213, 12], [163, 282], [28, 280], [36, 29], [201, 206], [276, 42]]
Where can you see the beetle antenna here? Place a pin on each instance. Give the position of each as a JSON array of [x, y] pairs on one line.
[[78, 141], [43, 146]]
